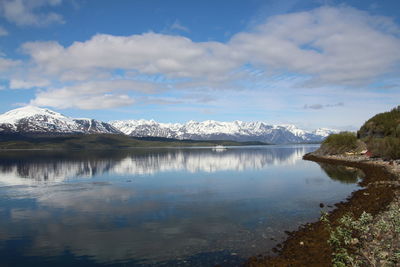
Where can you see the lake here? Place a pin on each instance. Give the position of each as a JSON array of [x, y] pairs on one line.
[[159, 207]]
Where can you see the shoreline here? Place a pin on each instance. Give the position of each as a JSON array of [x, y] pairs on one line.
[[308, 246]]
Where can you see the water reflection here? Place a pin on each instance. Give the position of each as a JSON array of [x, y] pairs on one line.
[[186, 207], [343, 174], [44, 166]]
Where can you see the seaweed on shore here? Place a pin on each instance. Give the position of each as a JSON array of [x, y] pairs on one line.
[[308, 246]]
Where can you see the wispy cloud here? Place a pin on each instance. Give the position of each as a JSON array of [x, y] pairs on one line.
[[320, 106], [29, 13], [3, 32], [7, 64], [178, 26], [326, 46], [93, 95]]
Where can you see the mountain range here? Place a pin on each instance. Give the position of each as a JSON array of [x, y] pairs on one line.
[[32, 119], [35, 120]]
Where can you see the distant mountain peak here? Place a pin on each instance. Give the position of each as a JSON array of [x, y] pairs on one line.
[[218, 130], [33, 119], [14, 115]]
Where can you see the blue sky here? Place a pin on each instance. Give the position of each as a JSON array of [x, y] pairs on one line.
[[309, 63]]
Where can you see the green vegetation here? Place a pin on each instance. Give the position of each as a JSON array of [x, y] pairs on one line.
[[386, 148], [339, 143], [345, 237], [103, 141], [381, 133], [364, 241], [382, 125]]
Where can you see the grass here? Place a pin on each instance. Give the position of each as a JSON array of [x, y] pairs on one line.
[[339, 143]]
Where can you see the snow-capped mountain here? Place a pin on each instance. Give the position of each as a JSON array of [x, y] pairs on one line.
[[215, 130], [32, 119]]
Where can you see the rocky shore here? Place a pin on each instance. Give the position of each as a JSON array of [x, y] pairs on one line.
[[374, 209]]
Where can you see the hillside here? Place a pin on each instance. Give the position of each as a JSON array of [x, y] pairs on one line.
[[380, 135], [382, 125], [30, 120], [101, 141]]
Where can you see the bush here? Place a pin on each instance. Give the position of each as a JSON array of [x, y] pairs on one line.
[[339, 143], [365, 241], [347, 139], [382, 124], [387, 148]]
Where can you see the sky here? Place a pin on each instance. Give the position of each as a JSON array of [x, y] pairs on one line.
[[311, 63]]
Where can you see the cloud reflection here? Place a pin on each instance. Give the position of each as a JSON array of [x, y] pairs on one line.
[[191, 202]]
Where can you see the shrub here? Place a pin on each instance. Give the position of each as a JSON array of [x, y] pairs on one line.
[[382, 124], [387, 148], [339, 143], [365, 241]]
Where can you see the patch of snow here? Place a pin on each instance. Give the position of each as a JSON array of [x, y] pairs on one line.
[[38, 120], [210, 129]]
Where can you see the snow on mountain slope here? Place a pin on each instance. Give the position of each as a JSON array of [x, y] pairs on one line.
[[324, 132], [31, 119], [215, 130]]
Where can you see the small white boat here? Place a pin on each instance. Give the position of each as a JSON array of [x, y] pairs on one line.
[[219, 148]]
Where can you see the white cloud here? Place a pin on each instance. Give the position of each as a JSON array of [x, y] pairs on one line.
[[27, 12], [178, 26], [6, 64], [325, 46], [149, 53], [64, 98], [27, 84], [93, 95], [334, 45]]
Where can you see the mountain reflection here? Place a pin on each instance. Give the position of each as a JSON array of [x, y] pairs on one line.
[[186, 204], [40, 167]]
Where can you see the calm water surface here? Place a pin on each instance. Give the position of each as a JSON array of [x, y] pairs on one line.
[[159, 207]]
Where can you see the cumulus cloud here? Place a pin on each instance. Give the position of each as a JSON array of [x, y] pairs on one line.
[[333, 45], [328, 46], [27, 12], [93, 95], [27, 84], [149, 53]]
